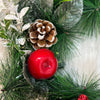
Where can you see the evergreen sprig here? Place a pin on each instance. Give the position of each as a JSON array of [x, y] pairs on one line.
[[69, 87], [66, 47], [13, 82], [62, 87], [11, 78], [67, 39], [90, 21]]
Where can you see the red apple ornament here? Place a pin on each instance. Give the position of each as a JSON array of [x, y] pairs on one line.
[[42, 64]]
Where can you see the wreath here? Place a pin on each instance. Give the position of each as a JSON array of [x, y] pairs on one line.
[[41, 35]]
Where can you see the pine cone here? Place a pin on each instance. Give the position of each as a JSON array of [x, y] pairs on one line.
[[42, 34]]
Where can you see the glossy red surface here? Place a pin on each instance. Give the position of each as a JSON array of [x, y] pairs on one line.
[[83, 97], [42, 64]]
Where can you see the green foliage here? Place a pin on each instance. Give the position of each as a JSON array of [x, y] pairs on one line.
[[58, 2], [64, 87], [4, 33], [90, 21], [11, 78], [66, 46], [10, 35], [67, 39], [34, 10], [35, 6], [67, 87], [15, 87]]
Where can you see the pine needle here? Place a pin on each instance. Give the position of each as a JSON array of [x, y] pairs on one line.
[[90, 21], [65, 87]]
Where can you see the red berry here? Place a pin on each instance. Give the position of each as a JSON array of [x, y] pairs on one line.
[[42, 64], [83, 97]]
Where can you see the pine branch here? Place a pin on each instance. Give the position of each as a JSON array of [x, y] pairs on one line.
[[89, 23], [12, 79], [66, 87], [15, 87], [67, 39], [66, 45]]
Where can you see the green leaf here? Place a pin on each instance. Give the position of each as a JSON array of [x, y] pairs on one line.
[[9, 44], [3, 33], [22, 52]]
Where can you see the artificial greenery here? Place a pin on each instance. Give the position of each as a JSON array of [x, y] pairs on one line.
[[69, 86], [11, 78], [10, 36], [67, 39], [69, 13], [59, 87], [67, 48], [14, 85], [35, 5], [90, 21], [57, 3], [65, 86]]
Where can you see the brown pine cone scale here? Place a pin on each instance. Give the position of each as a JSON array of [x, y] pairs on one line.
[[42, 34]]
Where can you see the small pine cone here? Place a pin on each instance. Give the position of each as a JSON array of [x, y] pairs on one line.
[[42, 34]]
